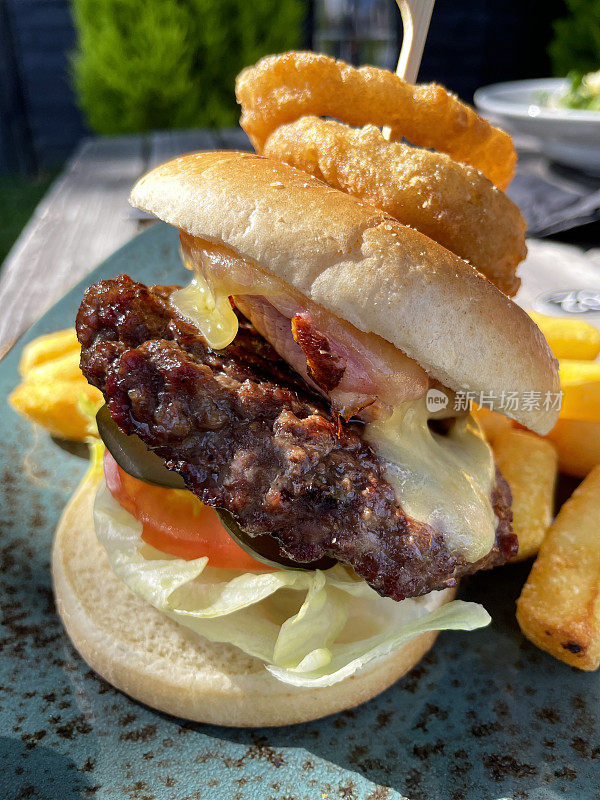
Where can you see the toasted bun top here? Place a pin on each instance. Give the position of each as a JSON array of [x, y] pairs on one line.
[[364, 266]]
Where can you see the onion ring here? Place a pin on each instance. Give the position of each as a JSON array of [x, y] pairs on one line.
[[282, 88], [451, 203]]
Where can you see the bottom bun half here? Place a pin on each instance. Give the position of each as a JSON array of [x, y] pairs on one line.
[[162, 664]]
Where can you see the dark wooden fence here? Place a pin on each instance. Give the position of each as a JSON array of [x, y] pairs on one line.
[[39, 119]]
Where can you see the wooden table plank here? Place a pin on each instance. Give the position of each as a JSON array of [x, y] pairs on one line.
[[233, 139], [165, 145], [85, 216], [81, 220]]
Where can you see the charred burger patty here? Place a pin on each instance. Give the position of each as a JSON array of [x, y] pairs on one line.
[[248, 435]]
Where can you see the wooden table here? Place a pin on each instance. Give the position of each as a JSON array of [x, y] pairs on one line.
[[85, 216]]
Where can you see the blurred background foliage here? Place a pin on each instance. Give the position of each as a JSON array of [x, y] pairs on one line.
[[141, 65], [576, 42]]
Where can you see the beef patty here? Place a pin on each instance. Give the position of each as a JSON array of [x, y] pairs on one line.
[[248, 435]]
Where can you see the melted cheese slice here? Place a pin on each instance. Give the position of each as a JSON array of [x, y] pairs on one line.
[[445, 480], [205, 300], [209, 310]]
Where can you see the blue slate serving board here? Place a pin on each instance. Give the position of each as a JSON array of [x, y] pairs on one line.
[[484, 716]]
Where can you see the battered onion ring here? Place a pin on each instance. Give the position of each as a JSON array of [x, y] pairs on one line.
[[450, 202], [279, 89]]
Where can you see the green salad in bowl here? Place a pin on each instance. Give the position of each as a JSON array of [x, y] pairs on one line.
[[582, 92]]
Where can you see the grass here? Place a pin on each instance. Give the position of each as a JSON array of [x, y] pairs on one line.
[[19, 196]]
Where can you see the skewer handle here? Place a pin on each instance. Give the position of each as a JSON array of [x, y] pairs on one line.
[[416, 15]]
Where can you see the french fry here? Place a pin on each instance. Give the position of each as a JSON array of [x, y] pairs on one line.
[[58, 406], [54, 392], [529, 464], [491, 422], [64, 368], [559, 607], [48, 348], [580, 384], [578, 444], [569, 338]]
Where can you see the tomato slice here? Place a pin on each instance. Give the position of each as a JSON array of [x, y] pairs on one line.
[[175, 521]]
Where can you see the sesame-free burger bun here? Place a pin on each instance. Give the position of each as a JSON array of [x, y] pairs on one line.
[[166, 666], [364, 266]]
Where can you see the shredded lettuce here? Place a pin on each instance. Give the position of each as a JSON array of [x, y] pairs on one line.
[[311, 628]]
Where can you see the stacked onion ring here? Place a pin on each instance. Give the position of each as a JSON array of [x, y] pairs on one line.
[[453, 195]]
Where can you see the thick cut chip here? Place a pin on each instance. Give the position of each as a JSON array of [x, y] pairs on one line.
[[492, 422], [48, 348], [569, 338], [64, 408], [529, 464], [54, 393], [559, 607], [578, 444], [580, 384]]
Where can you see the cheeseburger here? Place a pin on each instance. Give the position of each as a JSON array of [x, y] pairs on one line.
[[293, 484]]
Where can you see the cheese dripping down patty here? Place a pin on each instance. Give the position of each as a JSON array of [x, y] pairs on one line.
[[208, 307], [442, 480]]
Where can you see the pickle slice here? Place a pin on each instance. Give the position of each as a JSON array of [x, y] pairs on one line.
[[134, 458], [265, 548], [132, 455]]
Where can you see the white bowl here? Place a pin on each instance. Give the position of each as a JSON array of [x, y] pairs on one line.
[[569, 136]]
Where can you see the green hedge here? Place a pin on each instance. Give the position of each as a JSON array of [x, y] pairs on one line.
[[143, 64], [576, 43]]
